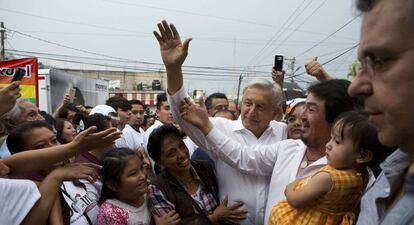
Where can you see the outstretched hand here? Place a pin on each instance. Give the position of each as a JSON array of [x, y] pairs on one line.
[[77, 171], [8, 97], [88, 139], [196, 115], [173, 52]]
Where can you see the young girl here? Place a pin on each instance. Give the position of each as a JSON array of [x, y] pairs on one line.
[[124, 179], [123, 196], [332, 194]]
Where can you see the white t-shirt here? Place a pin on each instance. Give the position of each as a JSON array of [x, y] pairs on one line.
[[130, 138], [17, 198], [81, 200]]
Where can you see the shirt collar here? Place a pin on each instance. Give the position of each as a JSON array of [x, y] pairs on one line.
[[239, 125], [398, 160]]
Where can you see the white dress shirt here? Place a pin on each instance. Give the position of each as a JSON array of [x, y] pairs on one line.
[[281, 160], [239, 187]]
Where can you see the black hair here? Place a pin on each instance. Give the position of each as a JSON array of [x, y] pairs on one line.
[[118, 102], [160, 99], [210, 98], [156, 139], [335, 94], [367, 5], [60, 124], [17, 137], [64, 111], [100, 121], [136, 102], [364, 136], [113, 163], [48, 118], [195, 219], [79, 116]]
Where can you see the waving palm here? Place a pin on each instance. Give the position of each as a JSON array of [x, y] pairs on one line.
[[173, 52]]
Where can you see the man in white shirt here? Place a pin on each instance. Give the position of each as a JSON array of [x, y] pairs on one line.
[[133, 136], [255, 126]]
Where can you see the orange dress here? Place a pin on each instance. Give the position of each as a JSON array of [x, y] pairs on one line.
[[334, 208]]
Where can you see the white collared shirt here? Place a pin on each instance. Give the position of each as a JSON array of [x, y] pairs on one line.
[[250, 189]]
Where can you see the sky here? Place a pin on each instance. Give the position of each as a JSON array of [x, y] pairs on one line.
[[230, 38]]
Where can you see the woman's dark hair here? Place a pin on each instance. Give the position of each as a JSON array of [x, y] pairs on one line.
[[196, 219], [60, 125], [156, 138], [113, 163], [17, 138], [364, 135], [64, 111], [335, 94], [100, 121]]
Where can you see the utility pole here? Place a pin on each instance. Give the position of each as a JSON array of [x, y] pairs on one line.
[[291, 68], [238, 89], [2, 37]]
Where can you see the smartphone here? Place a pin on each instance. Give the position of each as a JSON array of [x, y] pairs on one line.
[[71, 94], [278, 62], [18, 75]]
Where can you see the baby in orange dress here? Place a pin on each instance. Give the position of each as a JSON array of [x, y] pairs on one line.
[[332, 194]]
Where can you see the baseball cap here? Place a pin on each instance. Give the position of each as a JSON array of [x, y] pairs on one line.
[[292, 103], [105, 110]]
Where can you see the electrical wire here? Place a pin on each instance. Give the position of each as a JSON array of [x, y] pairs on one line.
[[326, 38], [330, 60], [275, 36]]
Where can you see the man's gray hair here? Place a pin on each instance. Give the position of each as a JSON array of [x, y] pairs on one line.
[[16, 111], [367, 5], [262, 83]]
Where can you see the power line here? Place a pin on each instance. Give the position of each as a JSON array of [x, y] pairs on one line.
[[301, 24], [211, 70], [330, 60], [186, 72], [137, 32], [275, 36], [118, 58], [326, 38]]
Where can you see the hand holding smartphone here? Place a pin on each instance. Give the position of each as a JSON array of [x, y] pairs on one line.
[[71, 94], [278, 62], [18, 75]]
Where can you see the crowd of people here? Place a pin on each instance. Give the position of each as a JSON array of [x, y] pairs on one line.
[[341, 155]]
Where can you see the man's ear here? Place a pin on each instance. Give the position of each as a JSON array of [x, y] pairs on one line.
[[111, 185], [365, 156]]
